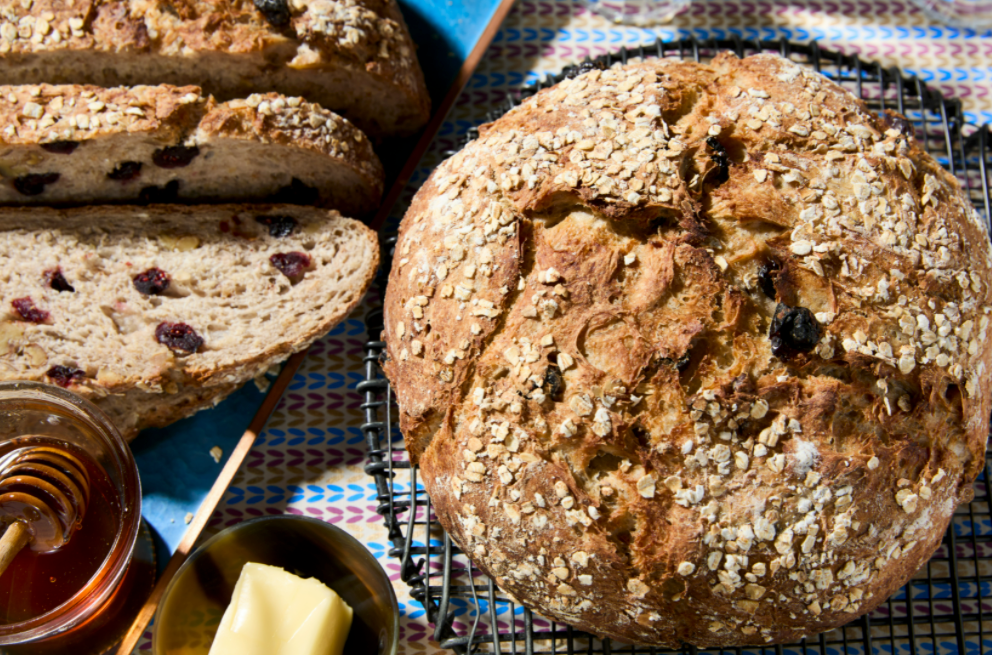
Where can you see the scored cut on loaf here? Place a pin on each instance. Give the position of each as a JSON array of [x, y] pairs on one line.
[[694, 352], [155, 312], [85, 144], [352, 56]]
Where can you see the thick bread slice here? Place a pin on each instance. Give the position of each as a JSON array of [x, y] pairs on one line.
[[84, 307], [86, 144], [352, 56]]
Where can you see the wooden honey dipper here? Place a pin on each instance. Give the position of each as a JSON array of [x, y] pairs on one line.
[[44, 492]]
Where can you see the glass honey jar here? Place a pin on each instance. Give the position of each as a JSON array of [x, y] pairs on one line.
[[64, 601]]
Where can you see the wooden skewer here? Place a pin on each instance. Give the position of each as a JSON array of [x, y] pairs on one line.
[[14, 539], [210, 503]]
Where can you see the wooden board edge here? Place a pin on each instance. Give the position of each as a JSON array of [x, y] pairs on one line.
[[441, 113]]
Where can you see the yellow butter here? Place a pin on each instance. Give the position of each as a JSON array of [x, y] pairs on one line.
[[274, 612]]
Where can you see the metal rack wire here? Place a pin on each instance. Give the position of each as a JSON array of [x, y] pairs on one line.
[[945, 608]]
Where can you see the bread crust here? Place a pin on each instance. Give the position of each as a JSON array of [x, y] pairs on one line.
[[135, 410], [332, 42], [125, 367], [693, 353], [33, 117]]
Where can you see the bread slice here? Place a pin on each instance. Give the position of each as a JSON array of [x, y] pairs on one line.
[[352, 56], [155, 312], [85, 144]]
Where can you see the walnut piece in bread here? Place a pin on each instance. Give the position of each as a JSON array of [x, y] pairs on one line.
[[71, 144], [156, 312], [694, 352], [351, 56]]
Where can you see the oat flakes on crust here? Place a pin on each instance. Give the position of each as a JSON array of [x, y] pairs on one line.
[[351, 56], [246, 149], [694, 353]]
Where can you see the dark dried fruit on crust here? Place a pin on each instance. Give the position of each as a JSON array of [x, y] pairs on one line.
[[178, 337], [57, 281], [898, 121], [174, 156], [766, 277], [34, 185], [152, 282], [125, 171], [553, 382], [279, 225], [26, 309], [60, 147], [275, 11], [572, 72], [794, 330], [64, 376], [291, 264], [720, 158]]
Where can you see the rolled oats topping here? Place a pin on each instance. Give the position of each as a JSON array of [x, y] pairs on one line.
[[727, 325], [326, 47]]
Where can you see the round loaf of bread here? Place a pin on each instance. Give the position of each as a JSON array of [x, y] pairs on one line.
[[694, 353]]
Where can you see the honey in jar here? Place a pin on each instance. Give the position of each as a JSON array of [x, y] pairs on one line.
[[38, 582], [78, 597]]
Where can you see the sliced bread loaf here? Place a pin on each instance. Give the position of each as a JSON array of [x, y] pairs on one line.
[[155, 312], [352, 56], [85, 144]]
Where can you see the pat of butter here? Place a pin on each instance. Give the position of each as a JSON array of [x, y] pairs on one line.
[[277, 613]]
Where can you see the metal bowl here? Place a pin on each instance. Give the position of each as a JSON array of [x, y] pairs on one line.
[[195, 600]]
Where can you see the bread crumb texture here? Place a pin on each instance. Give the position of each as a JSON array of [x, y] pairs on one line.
[[45, 125], [50, 114], [155, 312], [694, 353]]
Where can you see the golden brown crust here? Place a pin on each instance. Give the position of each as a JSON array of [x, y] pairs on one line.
[[367, 38], [135, 410], [45, 113], [272, 118], [634, 438]]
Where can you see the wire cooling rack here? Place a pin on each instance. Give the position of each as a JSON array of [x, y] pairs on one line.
[[945, 608]]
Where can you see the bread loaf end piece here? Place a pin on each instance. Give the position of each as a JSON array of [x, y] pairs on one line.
[[355, 57]]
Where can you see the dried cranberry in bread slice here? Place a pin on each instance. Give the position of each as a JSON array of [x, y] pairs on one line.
[[154, 312], [352, 56], [85, 144], [694, 352]]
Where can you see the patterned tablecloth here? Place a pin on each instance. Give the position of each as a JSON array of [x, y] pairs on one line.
[[309, 460]]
